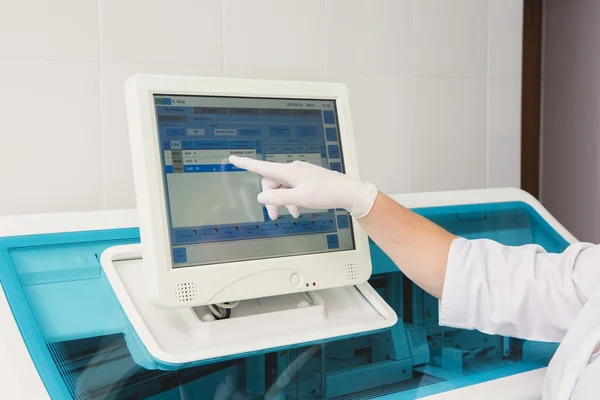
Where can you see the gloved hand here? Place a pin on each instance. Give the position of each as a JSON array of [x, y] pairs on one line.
[[301, 184]]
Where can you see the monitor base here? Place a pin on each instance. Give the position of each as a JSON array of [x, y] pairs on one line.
[[169, 338]]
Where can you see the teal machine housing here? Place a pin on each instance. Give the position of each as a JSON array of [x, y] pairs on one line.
[[84, 347]]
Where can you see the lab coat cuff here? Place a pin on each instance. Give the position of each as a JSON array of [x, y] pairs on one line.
[[454, 303]]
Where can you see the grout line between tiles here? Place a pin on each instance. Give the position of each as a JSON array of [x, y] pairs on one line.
[[414, 101], [488, 98], [222, 38], [100, 92], [326, 40]]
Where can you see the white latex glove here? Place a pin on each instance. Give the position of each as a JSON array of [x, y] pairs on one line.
[[301, 184]]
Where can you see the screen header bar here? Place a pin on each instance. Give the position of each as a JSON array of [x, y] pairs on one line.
[[243, 102]]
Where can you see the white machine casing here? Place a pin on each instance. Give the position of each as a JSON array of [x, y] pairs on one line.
[[233, 281], [22, 379]]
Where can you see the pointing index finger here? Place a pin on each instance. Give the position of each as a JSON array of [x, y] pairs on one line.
[[266, 169]]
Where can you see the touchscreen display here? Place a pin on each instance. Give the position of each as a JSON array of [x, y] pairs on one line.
[[213, 213]]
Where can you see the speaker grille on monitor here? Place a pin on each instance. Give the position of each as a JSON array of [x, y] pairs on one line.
[[352, 272], [186, 292]]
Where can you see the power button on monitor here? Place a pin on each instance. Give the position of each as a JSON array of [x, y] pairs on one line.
[[295, 280]]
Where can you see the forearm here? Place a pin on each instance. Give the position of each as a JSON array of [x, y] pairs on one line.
[[417, 246]]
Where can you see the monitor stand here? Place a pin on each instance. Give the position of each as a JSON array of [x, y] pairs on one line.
[[171, 338]]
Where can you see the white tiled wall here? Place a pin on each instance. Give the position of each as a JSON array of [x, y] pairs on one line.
[[434, 85]]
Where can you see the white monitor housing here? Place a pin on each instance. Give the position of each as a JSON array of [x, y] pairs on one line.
[[204, 236]]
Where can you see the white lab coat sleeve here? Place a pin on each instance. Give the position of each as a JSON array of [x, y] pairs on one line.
[[521, 292]]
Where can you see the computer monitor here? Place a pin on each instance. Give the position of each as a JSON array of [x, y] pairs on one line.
[[203, 232]]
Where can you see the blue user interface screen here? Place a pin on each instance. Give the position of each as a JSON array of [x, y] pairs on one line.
[[211, 205]]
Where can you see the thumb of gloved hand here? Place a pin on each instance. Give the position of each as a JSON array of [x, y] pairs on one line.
[[306, 185]]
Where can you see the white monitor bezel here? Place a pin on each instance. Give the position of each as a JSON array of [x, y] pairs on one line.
[[241, 280]]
